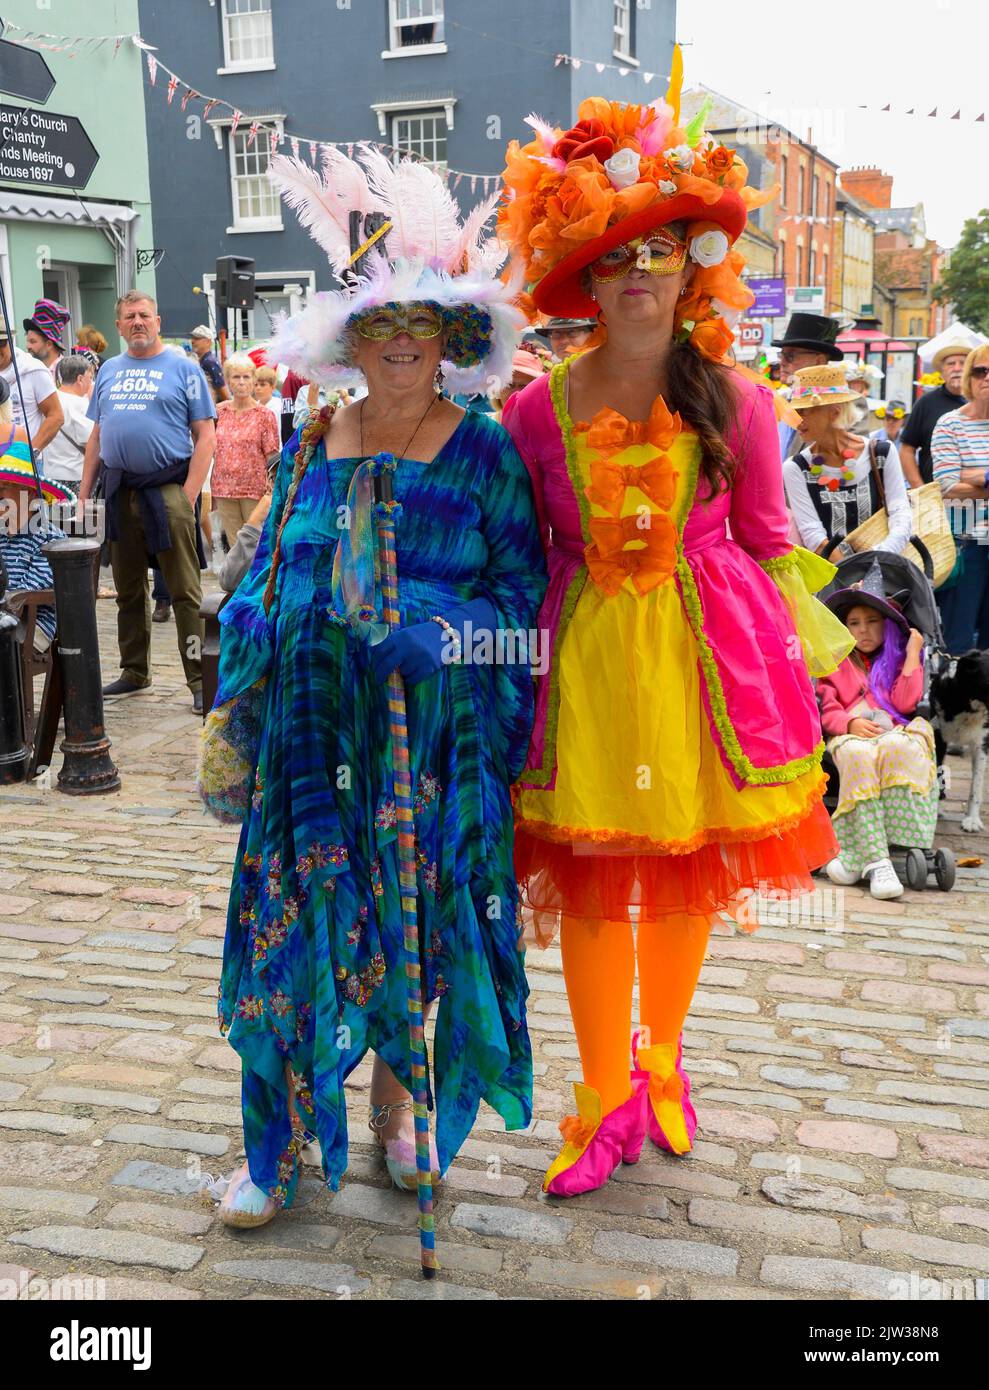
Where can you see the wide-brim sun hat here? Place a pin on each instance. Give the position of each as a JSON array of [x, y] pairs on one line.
[[422, 253], [619, 173], [15, 468], [820, 385]]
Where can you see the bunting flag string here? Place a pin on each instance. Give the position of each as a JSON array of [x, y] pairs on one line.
[[488, 182], [60, 43]]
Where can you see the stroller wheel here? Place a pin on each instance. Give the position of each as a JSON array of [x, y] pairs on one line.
[[916, 869], [944, 869]]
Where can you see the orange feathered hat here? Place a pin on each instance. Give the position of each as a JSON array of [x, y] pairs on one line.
[[620, 172]]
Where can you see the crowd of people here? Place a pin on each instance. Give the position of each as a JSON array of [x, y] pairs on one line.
[[658, 520]]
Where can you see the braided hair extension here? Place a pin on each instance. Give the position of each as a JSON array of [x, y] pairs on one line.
[[312, 432]]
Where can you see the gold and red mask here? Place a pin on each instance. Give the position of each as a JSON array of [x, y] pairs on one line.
[[659, 253]]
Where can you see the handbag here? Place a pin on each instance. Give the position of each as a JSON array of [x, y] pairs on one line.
[[931, 547], [228, 754]]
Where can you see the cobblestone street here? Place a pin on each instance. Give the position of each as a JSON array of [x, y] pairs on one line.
[[840, 1067]]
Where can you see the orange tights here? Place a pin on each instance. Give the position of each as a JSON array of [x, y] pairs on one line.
[[599, 968]]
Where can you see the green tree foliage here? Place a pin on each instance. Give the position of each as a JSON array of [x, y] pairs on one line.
[[965, 283]]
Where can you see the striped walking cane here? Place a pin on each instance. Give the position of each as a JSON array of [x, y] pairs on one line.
[[387, 511]]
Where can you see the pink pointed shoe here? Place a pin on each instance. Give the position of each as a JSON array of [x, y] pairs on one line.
[[595, 1144], [671, 1119]]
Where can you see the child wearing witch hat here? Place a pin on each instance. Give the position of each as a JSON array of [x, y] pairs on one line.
[[883, 752]]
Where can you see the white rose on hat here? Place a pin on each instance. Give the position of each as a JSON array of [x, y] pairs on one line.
[[680, 157], [667, 186], [622, 168], [709, 248]]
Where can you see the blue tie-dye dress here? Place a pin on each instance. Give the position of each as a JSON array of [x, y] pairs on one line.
[[312, 961]]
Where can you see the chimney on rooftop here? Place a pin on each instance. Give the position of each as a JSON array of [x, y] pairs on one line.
[[870, 186]]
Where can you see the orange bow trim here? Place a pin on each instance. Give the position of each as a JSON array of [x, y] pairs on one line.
[[648, 566], [609, 432], [657, 479], [577, 1132], [671, 1089]]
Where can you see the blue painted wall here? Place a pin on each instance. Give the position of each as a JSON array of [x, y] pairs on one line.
[[328, 73]]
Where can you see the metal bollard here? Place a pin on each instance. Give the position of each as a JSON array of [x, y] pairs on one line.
[[14, 753], [87, 769]]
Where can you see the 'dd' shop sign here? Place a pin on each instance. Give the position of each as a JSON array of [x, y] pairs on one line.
[[42, 147]]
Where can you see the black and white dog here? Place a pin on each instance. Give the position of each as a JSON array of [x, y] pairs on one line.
[[960, 716]]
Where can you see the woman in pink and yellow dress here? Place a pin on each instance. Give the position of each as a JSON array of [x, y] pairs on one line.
[[675, 761]]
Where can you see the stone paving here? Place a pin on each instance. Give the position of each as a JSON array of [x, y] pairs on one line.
[[840, 1061]]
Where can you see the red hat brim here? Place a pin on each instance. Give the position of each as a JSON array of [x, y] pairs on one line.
[[560, 292]]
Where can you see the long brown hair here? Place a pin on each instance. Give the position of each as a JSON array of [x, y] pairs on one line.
[[705, 396]]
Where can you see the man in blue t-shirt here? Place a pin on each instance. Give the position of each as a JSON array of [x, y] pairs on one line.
[[154, 433]]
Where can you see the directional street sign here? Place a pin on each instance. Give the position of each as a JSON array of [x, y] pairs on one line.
[[24, 72], [44, 149]]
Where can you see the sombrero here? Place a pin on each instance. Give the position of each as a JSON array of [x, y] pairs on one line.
[[15, 467]]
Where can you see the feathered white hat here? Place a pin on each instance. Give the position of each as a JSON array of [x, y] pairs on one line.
[[423, 253]]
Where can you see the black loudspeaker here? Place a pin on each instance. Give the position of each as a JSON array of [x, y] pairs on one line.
[[234, 288]]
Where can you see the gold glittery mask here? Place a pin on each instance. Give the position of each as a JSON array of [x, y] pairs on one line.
[[661, 253]]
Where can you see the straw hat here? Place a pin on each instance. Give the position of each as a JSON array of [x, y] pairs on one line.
[[822, 385], [950, 350]]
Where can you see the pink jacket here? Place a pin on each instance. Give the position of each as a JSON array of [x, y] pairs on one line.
[[849, 685]]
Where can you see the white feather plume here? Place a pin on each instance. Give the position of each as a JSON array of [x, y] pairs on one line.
[[324, 207], [544, 130], [425, 219], [469, 244]]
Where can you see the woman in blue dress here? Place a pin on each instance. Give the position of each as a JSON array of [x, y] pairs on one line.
[[298, 739]]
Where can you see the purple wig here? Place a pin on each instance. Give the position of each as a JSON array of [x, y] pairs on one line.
[[886, 668]]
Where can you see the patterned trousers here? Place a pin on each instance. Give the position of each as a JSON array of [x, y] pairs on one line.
[[889, 793]]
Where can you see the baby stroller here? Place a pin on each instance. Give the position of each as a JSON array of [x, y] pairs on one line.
[[913, 864]]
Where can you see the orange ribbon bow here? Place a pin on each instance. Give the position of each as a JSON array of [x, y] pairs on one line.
[[610, 432], [577, 1131], [609, 564], [657, 479]]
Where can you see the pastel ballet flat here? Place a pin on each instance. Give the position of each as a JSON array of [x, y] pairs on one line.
[[244, 1205], [400, 1151], [595, 1144]]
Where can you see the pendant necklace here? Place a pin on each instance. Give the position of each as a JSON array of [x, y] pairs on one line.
[[412, 436]]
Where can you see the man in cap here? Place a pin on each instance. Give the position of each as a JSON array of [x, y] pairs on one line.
[[36, 405], [810, 340], [915, 439], [201, 339], [43, 332], [567, 336]]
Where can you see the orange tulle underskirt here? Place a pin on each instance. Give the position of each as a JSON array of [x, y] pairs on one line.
[[715, 878]]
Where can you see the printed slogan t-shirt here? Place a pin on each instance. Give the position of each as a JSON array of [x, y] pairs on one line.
[[144, 406]]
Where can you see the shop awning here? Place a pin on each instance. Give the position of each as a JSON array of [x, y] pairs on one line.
[[118, 223], [40, 207]]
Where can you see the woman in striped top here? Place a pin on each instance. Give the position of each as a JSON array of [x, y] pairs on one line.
[[24, 523], [960, 452]]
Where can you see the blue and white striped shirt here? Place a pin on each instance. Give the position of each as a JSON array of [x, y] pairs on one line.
[[28, 569]]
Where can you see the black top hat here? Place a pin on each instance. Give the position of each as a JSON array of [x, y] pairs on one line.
[[813, 332], [870, 592]]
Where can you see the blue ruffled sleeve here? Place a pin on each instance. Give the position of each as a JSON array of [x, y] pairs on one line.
[[514, 581]]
